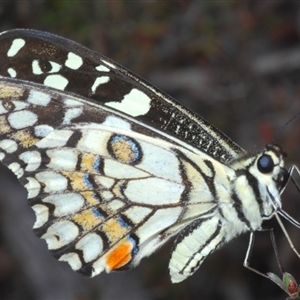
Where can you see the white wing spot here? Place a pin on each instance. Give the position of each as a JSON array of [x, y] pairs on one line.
[[136, 103], [53, 182], [98, 81], [57, 138], [2, 109], [22, 119], [74, 61], [154, 191], [60, 234], [9, 146], [62, 159], [33, 187], [109, 64], [42, 215], [102, 68], [16, 169], [72, 113], [38, 98], [55, 67], [91, 246], [71, 102], [15, 47], [12, 72], [42, 130], [112, 121], [72, 259], [32, 159], [19, 105], [56, 81], [36, 67], [2, 155], [65, 204]]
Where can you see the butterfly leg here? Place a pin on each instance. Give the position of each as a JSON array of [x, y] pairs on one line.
[[249, 253], [286, 215], [272, 237], [291, 170], [284, 230]]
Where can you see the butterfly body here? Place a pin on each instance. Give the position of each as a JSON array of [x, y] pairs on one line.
[[114, 168]]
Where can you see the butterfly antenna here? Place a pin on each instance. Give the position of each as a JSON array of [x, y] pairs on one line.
[[284, 125]]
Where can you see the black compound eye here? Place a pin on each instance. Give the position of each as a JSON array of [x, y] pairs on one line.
[[265, 164]]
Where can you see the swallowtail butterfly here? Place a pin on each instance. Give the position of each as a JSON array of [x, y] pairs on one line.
[[114, 167]]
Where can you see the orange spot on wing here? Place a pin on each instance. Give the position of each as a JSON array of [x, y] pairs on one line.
[[119, 256]]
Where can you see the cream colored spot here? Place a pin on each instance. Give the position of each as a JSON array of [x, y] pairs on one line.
[[7, 91], [87, 219], [123, 151], [78, 181], [114, 230], [87, 162], [90, 197], [25, 138], [4, 127]]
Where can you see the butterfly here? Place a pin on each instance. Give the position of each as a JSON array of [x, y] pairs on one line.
[[114, 168]]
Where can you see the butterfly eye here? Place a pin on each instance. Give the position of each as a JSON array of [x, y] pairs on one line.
[[265, 164]]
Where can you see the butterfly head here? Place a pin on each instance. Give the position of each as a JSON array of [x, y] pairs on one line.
[[271, 174], [263, 176], [271, 162]]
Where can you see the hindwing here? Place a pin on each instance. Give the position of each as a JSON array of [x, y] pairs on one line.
[[107, 190]]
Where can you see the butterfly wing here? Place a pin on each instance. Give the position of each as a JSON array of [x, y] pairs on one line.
[[106, 189], [65, 65]]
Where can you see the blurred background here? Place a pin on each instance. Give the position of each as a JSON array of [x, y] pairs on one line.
[[237, 64]]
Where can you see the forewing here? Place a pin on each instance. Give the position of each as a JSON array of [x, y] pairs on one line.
[[63, 64]]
